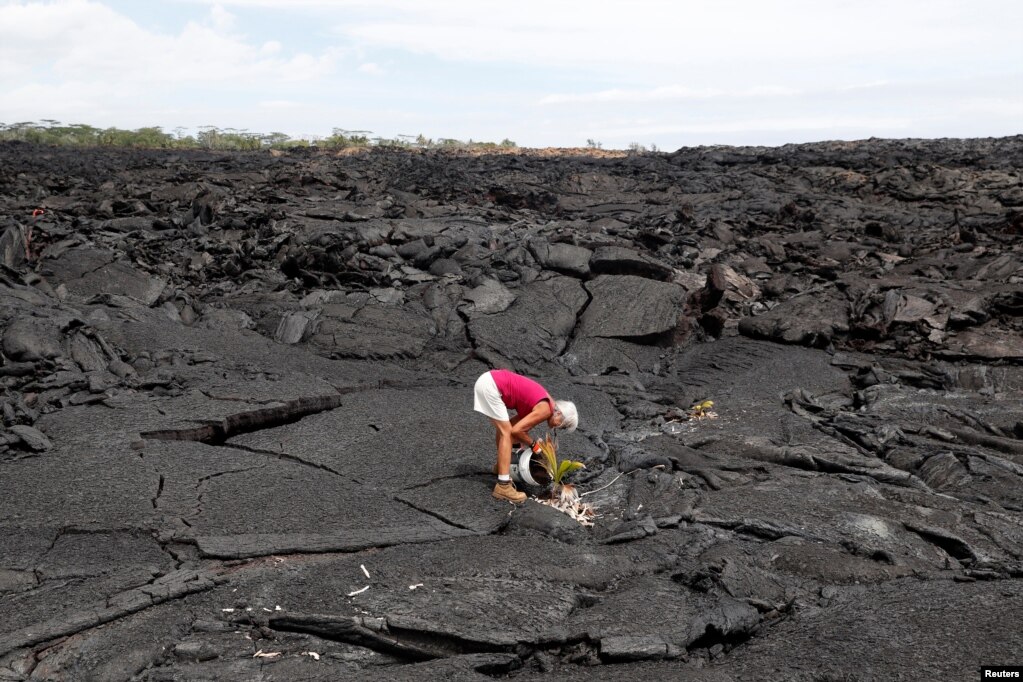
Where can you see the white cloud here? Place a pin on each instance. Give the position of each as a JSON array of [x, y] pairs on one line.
[[665, 93], [80, 61], [70, 102], [279, 104], [86, 41], [221, 19], [1006, 106], [866, 86], [783, 124], [791, 43], [661, 35], [371, 68]]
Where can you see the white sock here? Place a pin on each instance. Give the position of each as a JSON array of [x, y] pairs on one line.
[[503, 478]]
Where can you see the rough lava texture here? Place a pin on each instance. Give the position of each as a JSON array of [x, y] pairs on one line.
[[238, 441]]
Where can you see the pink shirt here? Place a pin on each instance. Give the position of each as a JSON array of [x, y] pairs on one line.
[[518, 392]]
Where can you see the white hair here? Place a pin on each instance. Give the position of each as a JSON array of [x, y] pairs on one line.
[[569, 415]]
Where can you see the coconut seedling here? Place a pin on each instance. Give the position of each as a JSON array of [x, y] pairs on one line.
[[702, 409], [558, 469]]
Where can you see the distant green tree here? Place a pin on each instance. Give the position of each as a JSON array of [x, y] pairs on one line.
[[52, 132], [275, 140]]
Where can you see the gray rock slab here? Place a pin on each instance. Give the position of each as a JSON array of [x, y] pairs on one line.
[[793, 565], [633, 307], [852, 644], [13, 245], [88, 353], [744, 378], [148, 331], [213, 318], [861, 516], [639, 611], [596, 355], [474, 667], [536, 326], [84, 552], [619, 648], [461, 502], [449, 596], [33, 438], [63, 583], [375, 332], [391, 438], [565, 258], [124, 417], [807, 321], [294, 327], [533, 517], [302, 497], [414, 580], [171, 586], [86, 272], [32, 338], [248, 545], [617, 260], [78, 486], [126, 646], [986, 344], [490, 297]]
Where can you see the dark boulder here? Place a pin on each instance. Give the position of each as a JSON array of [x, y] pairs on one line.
[[536, 326], [564, 258], [32, 338], [634, 308], [617, 260]]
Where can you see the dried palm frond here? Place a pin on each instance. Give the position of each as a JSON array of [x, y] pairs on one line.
[[581, 512]]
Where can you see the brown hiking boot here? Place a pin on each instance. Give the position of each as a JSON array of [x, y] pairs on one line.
[[507, 491]]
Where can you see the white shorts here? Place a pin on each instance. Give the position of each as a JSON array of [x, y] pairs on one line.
[[487, 399]]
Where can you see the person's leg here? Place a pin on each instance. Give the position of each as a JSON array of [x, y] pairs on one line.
[[504, 490], [504, 448], [497, 443], [497, 447]]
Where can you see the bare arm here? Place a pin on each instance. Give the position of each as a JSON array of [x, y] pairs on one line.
[[515, 436], [521, 426]]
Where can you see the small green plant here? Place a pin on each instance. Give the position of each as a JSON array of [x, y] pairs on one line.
[[558, 468], [702, 409]]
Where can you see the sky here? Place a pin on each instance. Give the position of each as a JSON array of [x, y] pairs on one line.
[[664, 73]]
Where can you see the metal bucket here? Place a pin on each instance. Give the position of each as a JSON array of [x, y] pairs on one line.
[[528, 471]]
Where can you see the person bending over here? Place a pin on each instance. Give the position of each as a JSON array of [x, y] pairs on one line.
[[500, 390]]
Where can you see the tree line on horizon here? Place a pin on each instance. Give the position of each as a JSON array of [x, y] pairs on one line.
[[50, 132]]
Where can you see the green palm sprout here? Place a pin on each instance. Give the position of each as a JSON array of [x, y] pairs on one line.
[[557, 469]]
